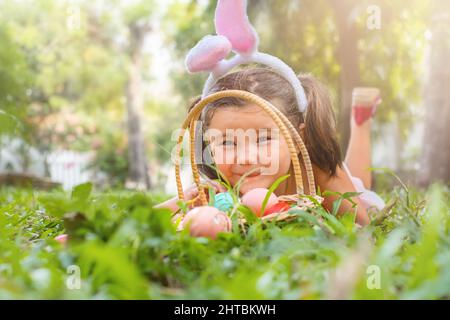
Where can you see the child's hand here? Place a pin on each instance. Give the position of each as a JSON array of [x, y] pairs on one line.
[[192, 191], [189, 194]]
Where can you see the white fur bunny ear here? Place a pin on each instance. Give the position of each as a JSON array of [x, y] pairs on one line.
[[231, 21], [236, 33], [207, 53]]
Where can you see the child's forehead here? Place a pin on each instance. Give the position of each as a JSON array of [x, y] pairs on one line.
[[239, 109], [246, 117]]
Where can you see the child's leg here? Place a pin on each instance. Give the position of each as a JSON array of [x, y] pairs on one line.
[[359, 155]]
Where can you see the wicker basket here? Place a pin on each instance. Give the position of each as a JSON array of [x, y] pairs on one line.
[[291, 135]]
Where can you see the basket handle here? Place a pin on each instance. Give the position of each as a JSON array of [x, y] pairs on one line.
[[282, 122], [303, 151]]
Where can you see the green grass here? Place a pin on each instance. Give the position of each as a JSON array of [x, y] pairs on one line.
[[124, 249]]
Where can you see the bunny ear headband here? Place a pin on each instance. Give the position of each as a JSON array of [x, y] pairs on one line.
[[235, 33]]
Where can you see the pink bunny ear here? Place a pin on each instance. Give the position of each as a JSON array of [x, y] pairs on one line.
[[232, 22], [207, 53]]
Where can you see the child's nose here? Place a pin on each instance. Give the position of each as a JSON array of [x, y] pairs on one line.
[[247, 153]]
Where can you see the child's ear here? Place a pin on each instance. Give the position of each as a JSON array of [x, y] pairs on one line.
[[302, 130]]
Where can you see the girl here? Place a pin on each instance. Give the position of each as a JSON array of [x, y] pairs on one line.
[[316, 127]]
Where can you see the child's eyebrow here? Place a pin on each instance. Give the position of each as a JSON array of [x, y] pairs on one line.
[[268, 130]]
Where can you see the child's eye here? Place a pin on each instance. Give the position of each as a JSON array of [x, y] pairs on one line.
[[228, 143], [263, 139]]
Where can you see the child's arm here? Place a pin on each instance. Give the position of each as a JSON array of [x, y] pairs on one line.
[[340, 183], [189, 194], [169, 204]]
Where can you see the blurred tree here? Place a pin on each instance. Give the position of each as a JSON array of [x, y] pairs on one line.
[[137, 20], [435, 160], [391, 58], [186, 22], [111, 150], [348, 53], [86, 57], [73, 65], [334, 41], [15, 79]]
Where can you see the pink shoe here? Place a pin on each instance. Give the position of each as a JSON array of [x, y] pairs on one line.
[[364, 103]]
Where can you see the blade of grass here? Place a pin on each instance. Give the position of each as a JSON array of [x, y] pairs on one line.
[[271, 190], [237, 187]]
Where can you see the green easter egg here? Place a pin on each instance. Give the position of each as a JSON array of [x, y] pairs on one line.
[[223, 201]]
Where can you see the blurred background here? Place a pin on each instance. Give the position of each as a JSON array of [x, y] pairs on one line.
[[94, 90]]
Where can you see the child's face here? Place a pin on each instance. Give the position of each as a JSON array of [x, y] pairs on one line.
[[245, 138]]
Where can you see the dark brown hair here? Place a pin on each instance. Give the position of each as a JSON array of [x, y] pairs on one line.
[[320, 123]]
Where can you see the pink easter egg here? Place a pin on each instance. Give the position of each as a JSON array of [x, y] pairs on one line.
[[254, 200], [206, 221], [62, 238]]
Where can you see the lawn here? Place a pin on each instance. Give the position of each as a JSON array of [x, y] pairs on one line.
[[121, 248]]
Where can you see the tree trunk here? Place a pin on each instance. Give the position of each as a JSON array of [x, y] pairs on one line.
[[435, 160], [138, 170], [349, 61]]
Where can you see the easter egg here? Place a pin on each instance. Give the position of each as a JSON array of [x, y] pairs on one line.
[[206, 221], [254, 200], [277, 207], [223, 201]]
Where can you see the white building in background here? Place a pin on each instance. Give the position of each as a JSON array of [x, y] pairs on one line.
[[12, 161], [66, 167], [69, 168]]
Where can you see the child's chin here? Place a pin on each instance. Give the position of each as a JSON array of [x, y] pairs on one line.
[[250, 185]]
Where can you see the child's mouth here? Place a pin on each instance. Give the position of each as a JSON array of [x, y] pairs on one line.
[[254, 173]]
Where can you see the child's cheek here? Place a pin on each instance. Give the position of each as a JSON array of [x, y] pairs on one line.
[[268, 150], [275, 155], [223, 156], [223, 159], [225, 169], [283, 156]]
